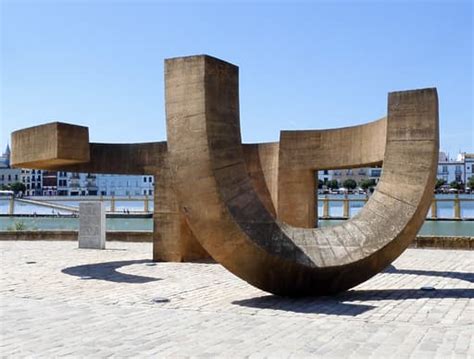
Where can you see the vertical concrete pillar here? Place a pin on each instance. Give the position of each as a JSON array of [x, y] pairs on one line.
[[11, 206], [146, 205], [434, 208], [457, 207], [166, 219], [92, 225], [326, 207], [345, 207], [112, 204], [173, 240]]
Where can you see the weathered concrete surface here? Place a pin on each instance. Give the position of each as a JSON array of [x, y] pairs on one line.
[[91, 225], [94, 304], [232, 223], [251, 206], [50, 145], [261, 161], [444, 242], [172, 238], [301, 153]]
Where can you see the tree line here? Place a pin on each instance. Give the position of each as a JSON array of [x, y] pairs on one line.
[[349, 183], [440, 182], [16, 187], [367, 184]]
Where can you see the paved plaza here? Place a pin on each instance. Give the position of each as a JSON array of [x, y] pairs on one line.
[[57, 300]]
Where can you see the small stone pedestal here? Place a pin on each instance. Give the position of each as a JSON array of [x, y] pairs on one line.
[[92, 225]]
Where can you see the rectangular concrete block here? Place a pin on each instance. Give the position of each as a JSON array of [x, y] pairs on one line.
[[50, 146], [92, 225]]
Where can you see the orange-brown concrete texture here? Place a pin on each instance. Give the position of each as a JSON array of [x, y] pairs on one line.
[[54, 144], [301, 153], [234, 224], [42, 147], [262, 167], [173, 240]]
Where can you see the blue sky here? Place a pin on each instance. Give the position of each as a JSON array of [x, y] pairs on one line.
[[303, 65]]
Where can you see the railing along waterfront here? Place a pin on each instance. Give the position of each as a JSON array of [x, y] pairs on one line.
[[432, 215], [453, 208], [457, 206], [54, 203]]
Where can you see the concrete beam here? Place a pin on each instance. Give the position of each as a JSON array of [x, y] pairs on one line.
[[50, 145]]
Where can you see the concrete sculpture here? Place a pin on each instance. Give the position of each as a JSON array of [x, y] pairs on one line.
[[252, 206]]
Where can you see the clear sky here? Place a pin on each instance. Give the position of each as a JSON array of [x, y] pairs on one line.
[[303, 65]]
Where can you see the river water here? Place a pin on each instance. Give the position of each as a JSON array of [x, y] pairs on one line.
[[445, 210], [439, 228]]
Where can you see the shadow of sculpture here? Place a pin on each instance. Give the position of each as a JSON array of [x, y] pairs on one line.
[[341, 304], [338, 305], [108, 271], [306, 305], [465, 276]]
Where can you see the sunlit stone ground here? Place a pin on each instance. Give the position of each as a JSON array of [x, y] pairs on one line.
[[57, 300]]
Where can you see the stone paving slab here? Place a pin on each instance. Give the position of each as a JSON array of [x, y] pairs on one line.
[[57, 300]]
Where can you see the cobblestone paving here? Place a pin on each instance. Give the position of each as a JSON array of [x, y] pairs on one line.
[[57, 300]]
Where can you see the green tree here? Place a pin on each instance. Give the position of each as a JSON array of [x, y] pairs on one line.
[[367, 183], [333, 184], [440, 182], [470, 182], [17, 187], [349, 183], [455, 185], [320, 184]]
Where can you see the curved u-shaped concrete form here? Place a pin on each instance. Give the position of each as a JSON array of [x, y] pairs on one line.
[[252, 206], [232, 223]]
